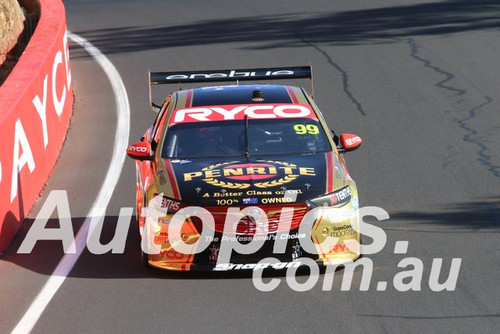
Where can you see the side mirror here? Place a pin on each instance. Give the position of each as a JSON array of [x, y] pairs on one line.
[[349, 142], [140, 151]]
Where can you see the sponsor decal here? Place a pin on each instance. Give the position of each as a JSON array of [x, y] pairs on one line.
[[337, 198], [296, 250], [343, 227], [171, 254], [289, 192], [252, 200], [227, 194], [138, 149], [256, 266], [228, 201], [238, 112], [277, 200], [347, 246], [339, 234], [339, 248], [163, 220], [248, 238], [213, 253], [160, 238], [292, 236], [165, 202], [230, 74], [353, 140], [340, 231], [170, 204], [343, 195], [235, 175], [349, 141], [273, 226], [258, 193], [163, 180]]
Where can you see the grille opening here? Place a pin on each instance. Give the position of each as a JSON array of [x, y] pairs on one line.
[[248, 226]]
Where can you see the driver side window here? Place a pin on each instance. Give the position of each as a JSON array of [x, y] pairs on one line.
[[160, 119]]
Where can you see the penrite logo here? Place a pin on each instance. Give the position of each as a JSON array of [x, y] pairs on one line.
[[235, 175]]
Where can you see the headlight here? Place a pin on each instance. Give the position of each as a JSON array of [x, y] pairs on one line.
[[336, 199]]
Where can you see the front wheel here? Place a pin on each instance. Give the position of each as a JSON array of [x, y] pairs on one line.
[[144, 259]]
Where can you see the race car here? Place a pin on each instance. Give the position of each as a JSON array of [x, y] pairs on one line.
[[230, 176]]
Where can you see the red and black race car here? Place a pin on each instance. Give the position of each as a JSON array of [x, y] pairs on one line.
[[229, 176]]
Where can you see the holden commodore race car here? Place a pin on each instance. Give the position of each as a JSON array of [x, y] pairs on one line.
[[232, 175]]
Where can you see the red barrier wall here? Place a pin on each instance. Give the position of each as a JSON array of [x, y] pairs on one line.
[[36, 103]]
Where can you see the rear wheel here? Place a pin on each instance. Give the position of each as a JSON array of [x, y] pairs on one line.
[[143, 256]]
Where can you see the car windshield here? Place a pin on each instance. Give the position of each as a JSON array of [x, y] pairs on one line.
[[228, 138]]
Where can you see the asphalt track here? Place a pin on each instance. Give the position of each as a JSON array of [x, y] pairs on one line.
[[417, 80]]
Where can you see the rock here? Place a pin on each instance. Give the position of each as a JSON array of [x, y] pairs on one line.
[[11, 26]]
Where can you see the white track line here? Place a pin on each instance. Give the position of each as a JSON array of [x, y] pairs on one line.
[[98, 209]]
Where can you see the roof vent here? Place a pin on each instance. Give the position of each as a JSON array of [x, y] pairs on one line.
[[257, 96]]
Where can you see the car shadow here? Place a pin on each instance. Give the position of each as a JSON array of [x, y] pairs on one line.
[[46, 255], [478, 216]]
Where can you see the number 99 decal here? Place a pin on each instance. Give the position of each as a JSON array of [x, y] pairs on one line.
[[302, 129]]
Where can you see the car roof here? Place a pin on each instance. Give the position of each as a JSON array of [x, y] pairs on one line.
[[240, 94]]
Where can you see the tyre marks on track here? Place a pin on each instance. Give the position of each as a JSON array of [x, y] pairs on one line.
[[471, 136], [343, 73]]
